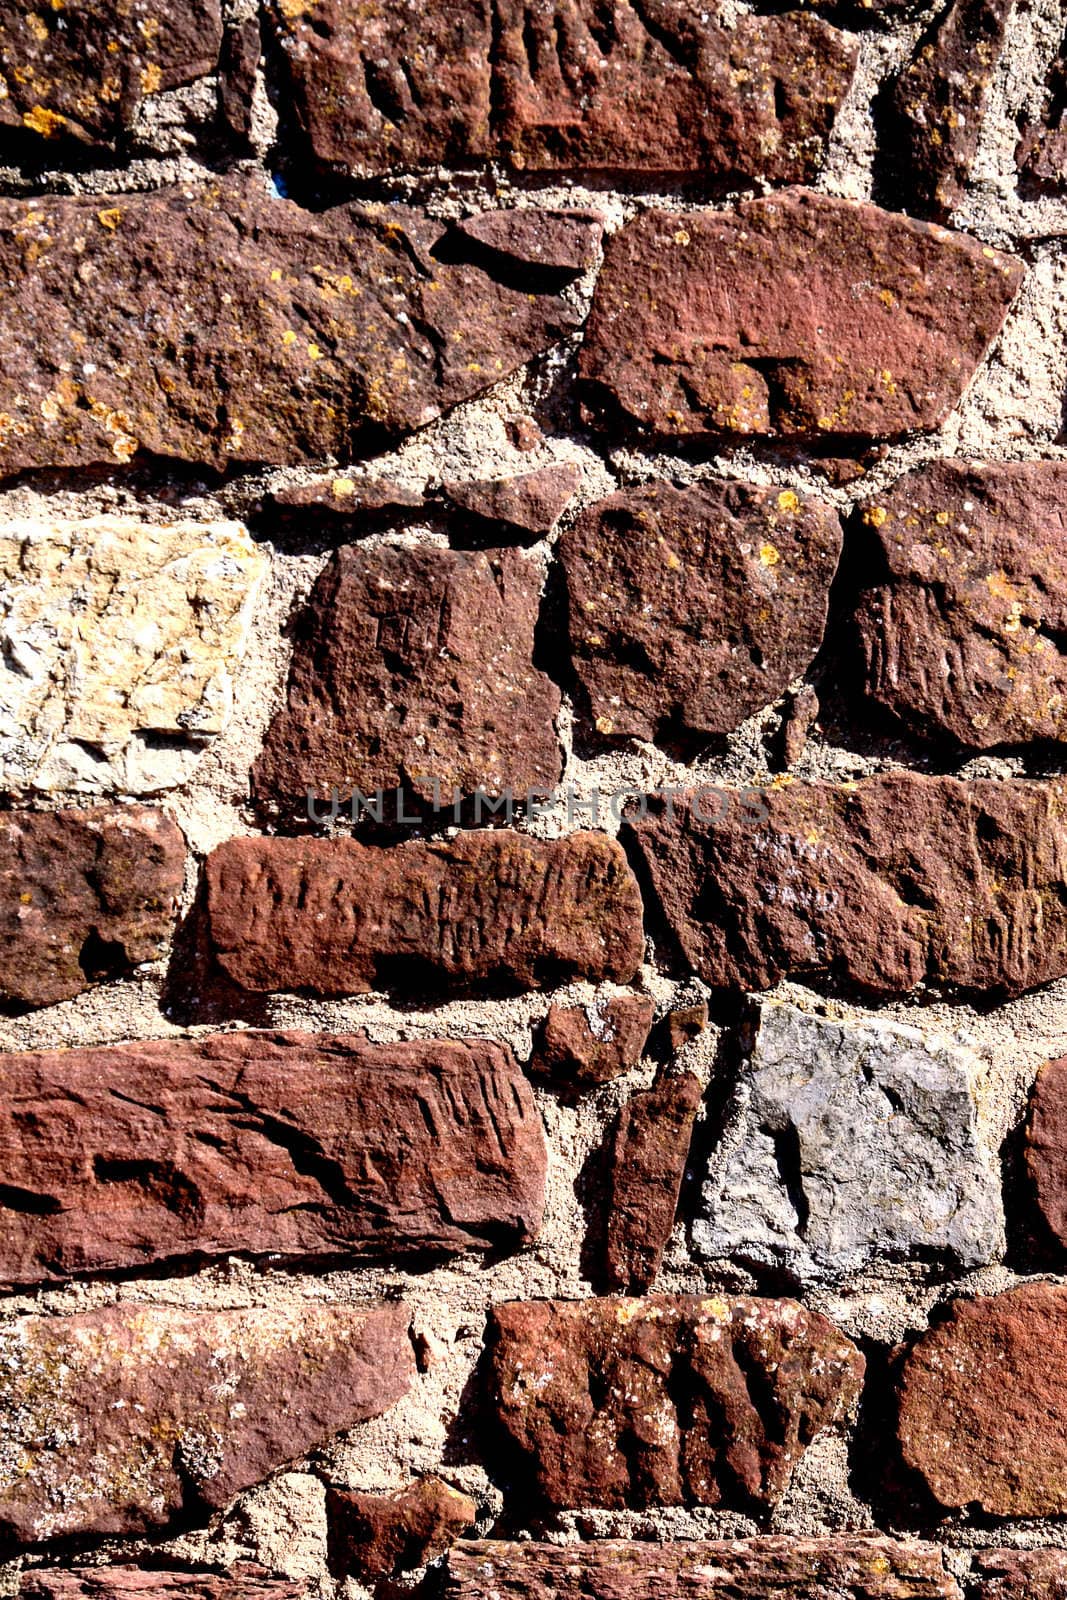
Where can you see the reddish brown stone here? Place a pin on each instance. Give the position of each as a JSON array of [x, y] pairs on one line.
[[938, 104], [570, 246], [242, 45], [641, 87], [962, 629], [81, 72], [1020, 1574], [379, 1535], [343, 507], [797, 316], [646, 1165], [689, 609], [778, 1567], [983, 1404], [682, 1026], [529, 504], [84, 895], [478, 910], [280, 1144], [798, 720], [886, 884], [1042, 152], [413, 670], [123, 1419], [668, 1400], [1046, 1145], [524, 433], [582, 1046], [244, 1581], [226, 325]]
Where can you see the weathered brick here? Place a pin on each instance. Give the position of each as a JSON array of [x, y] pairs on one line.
[[282, 1144], [983, 1404], [667, 1400], [625, 86], [119, 1420], [886, 884], [797, 316], [473, 912], [689, 609], [646, 1163], [413, 669], [84, 895], [227, 325], [579, 1047], [962, 625], [82, 72], [379, 1535]]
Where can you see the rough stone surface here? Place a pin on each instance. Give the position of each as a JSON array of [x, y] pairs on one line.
[[938, 104], [983, 1404], [476, 911], [845, 1567], [883, 885], [681, 1026], [962, 630], [119, 643], [221, 324], [668, 1400], [570, 245], [242, 45], [345, 505], [579, 1047], [84, 895], [1021, 1574], [244, 1582], [797, 316], [629, 85], [846, 1143], [799, 718], [283, 1144], [1042, 152], [1046, 1145], [379, 1535], [81, 72], [413, 669], [646, 1164], [118, 1420], [529, 504], [689, 609]]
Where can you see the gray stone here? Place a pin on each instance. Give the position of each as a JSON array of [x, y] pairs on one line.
[[847, 1142]]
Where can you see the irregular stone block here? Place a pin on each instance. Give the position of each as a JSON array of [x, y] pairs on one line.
[[847, 1143], [1042, 151], [623, 86], [1020, 1574], [82, 72], [472, 912], [776, 1567], [668, 1400], [938, 103], [689, 609], [242, 46], [341, 503], [529, 504], [221, 324], [84, 895], [962, 628], [120, 641], [380, 1535], [796, 317], [245, 1581], [798, 719], [896, 881], [413, 670], [680, 1027], [983, 1404], [282, 1144], [646, 1164], [580, 1047], [120, 1420], [570, 245], [1046, 1145]]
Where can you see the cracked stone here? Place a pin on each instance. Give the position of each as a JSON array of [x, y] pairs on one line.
[[938, 104], [244, 1581], [229, 326], [884, 885], [847, 1143], [962, 628], [120, 643], [689, 609], [631, 85], [471, 913], [84, 896], [121, 1420], [798, 316], [291, 1145], [528, 504], [413, 669], [667, 1400], [646, 1164], [63, 76], [775, 1567], [983, 1404], [579, 1047], [1042, 151], [380, 1535]]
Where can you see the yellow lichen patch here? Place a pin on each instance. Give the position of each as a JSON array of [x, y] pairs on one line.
[[151, 79], [788, 501], [342, 488], [37, 27], [875, 516], [41, 120], [681, 237], [109, 219], [314, 353], [768, 555], [604, 725], [288, 337]]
